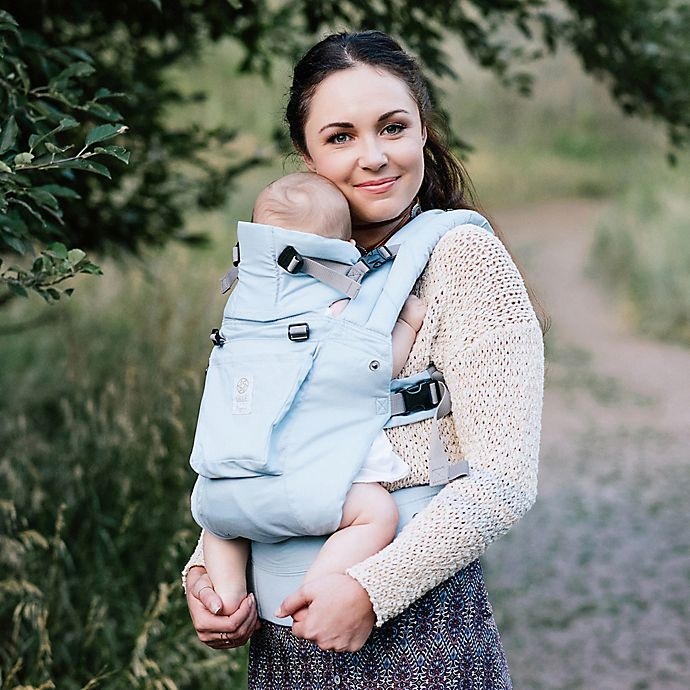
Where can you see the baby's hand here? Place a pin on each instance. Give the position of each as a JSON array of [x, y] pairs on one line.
[[232, 598], [413, 312]]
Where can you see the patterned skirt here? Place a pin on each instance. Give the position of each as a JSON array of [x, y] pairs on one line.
[[447, 639]]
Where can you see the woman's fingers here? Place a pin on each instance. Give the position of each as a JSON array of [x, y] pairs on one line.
[[215, 630], [208, 597], [293, 603]]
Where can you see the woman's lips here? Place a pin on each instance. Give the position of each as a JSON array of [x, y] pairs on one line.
[[377, 186]]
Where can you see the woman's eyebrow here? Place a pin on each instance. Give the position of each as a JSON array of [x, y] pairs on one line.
[[341, 125], [349, 125]]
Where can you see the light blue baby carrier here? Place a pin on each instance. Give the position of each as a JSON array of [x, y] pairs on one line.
[[294, 396]]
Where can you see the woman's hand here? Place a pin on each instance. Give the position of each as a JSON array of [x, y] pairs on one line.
[[334, 611], [218, 631]]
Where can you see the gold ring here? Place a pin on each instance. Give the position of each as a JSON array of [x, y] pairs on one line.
[[225, 636]]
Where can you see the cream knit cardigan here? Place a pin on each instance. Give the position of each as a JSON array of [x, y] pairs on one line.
[[480, 330]]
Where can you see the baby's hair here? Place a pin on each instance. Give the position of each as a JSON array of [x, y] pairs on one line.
[[306, 202]]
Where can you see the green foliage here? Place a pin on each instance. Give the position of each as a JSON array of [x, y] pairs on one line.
[[45, 111], [637, 48], [94, 497]]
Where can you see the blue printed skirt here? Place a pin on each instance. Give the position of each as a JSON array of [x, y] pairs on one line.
[[445, 640]]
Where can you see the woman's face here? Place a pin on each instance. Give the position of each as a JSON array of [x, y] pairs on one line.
[[364, 133]]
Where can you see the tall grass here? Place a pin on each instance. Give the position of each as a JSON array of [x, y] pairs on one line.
[[95, 431], [642, 251]]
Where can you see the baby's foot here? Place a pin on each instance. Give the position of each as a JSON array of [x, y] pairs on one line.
[[413, 312]]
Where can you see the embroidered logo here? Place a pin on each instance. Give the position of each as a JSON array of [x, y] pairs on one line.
[[242, 394]]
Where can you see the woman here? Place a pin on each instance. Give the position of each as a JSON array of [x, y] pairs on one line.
[[415, 615]]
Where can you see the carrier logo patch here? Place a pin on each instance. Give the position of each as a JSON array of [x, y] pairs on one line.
[[242, 394]]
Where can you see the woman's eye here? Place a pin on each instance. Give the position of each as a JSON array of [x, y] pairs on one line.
[[393, 128], [339, 138]]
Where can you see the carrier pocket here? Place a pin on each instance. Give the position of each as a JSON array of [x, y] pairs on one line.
[[250, 385]]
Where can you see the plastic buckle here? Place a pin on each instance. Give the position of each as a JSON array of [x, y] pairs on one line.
[[236, 255], [217, 338], [377, 257], [298, 332], [422, 396], [290, 260]]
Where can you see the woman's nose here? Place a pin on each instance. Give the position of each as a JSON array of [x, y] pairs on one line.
[[372, 155]]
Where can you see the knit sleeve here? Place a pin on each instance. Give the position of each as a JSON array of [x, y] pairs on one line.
[[489, 346], [196, 559]]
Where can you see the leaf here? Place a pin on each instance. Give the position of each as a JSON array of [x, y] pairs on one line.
[[51, 148], [157, 4], [118, 152], [76, 69], [18, 289], [74, 256], [44, 198], [5, 168], [23, 159], [59, 190], [7, 18], [9, 134], [81, 164], [57, 249], [67, 123], [103, 132], [105, 112], [14, 243]]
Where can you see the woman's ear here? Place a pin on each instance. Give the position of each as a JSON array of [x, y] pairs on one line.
[[423, 134], [308, 162]]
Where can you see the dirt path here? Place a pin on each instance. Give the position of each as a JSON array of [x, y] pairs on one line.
[[592, 590]]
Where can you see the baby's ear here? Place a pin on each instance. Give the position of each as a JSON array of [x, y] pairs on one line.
[[353, 242]]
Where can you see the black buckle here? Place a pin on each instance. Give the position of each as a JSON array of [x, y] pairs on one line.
[[424, 395], [377, 257], [217, 338], [290, 260], [298, 332]]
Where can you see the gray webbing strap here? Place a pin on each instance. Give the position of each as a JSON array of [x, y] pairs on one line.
[[331, 277], [440, 469], [228, 279]]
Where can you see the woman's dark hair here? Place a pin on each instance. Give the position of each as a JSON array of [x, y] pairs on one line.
[[446, 184]]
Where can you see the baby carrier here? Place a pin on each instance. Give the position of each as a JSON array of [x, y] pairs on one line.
[[294, 396]]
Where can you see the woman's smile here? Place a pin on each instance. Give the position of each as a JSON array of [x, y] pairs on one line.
[[377, 186]]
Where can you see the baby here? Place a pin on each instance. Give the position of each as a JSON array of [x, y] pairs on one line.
[[307, 202]]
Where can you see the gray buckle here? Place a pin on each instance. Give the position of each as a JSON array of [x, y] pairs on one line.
[[298, 332]]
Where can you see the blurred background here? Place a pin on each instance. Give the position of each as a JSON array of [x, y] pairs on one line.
[[100, 390]]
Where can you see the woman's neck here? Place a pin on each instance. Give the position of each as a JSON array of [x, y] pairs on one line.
[[371, 235]]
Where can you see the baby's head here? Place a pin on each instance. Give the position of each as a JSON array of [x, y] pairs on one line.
[[306, 202]]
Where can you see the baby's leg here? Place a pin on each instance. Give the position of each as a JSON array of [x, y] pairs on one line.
[[370, 518], [405, 331], [226, 562]]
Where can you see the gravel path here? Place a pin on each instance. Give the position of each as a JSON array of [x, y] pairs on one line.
[[592, 588]]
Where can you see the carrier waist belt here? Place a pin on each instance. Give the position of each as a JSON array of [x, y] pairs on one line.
[[277, 570]]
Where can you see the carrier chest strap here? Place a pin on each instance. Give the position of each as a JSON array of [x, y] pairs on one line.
[[344, 278]]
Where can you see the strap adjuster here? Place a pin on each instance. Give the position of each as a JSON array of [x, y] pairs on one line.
[[376, 257], [290, 259], [216, 338], [298, 332], [424, 395]]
